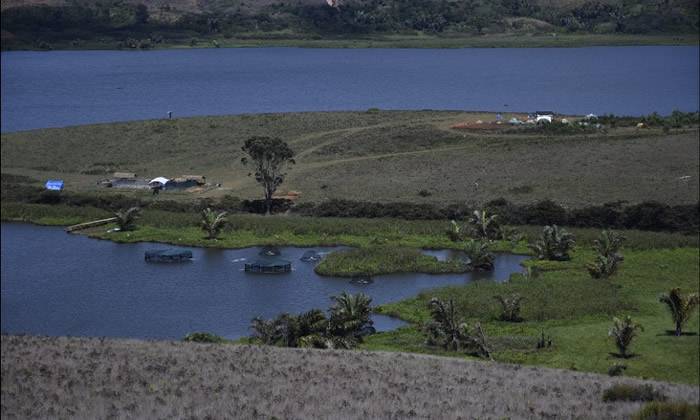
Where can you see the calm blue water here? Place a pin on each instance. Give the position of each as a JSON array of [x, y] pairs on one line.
[[59, 284], [60, 88]]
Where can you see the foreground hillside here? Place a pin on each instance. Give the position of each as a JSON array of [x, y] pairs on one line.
[[98, 378], [381, 156]]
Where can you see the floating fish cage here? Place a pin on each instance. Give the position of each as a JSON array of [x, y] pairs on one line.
[[268, 266], [168, 255]]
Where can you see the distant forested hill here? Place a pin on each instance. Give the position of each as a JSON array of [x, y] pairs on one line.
[[39, 23]]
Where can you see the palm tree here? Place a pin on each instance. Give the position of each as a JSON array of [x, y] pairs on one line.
[[212, 222], [445, 329], [126, 219], [480, 258], [623, 332], [455, 232], [510, 307], [554, 244], [265, 331], [483, 224], [681, 307], [350, 315], [608, 257]]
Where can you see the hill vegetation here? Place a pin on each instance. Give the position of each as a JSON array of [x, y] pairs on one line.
[[149, 24], [96, 378]]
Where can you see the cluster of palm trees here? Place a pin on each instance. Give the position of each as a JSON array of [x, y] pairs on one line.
[[480, 229], [348, 321]]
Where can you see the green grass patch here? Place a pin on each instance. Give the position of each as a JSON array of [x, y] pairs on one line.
[[576, 312], [385, 259]]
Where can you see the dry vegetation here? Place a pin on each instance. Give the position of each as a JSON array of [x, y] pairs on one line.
[[377, 156], [98, 378]]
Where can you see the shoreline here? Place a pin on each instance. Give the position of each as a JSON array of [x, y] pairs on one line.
[[395, 42]]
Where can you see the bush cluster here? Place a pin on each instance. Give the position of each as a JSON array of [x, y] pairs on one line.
[[624, 392]]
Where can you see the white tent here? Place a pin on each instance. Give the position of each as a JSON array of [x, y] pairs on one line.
[[160, 180]]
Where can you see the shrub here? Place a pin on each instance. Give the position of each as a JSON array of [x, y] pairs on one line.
[[126, 219], [510, 307], [480, 258], [554, 244], [543, 341], [617, 369], [625, 392], [661, 410], [623, 332], [203, 337]]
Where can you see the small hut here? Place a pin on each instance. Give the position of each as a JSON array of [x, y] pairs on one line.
[[268, 265]]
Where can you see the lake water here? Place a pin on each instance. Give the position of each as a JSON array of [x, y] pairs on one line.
[[61, 88], [54, 283]]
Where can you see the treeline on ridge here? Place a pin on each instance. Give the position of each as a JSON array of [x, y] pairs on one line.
[[80, 20]]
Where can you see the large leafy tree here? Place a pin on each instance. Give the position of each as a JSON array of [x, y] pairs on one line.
[[270, 157], [680, 307]]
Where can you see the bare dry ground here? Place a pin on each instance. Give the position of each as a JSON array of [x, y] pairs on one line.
[[46, 377], [377, 156]]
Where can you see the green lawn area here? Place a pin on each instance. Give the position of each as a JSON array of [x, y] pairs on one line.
[[576, 311]]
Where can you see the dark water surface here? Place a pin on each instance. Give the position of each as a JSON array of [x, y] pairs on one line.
[[59, 284], [60, 88]]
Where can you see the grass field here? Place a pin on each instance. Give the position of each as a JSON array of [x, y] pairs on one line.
[[575, 311], [99, 378], [379, 156]]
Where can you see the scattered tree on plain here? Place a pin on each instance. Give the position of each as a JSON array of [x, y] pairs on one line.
[[270, 157]]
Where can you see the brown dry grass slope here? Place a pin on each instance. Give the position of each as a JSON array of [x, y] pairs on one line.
[[377, 156], [99, 378]]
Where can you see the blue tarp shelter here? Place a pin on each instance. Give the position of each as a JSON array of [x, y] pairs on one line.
[[54, 184]]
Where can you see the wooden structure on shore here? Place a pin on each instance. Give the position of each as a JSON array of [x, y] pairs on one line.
[[94, 223]]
